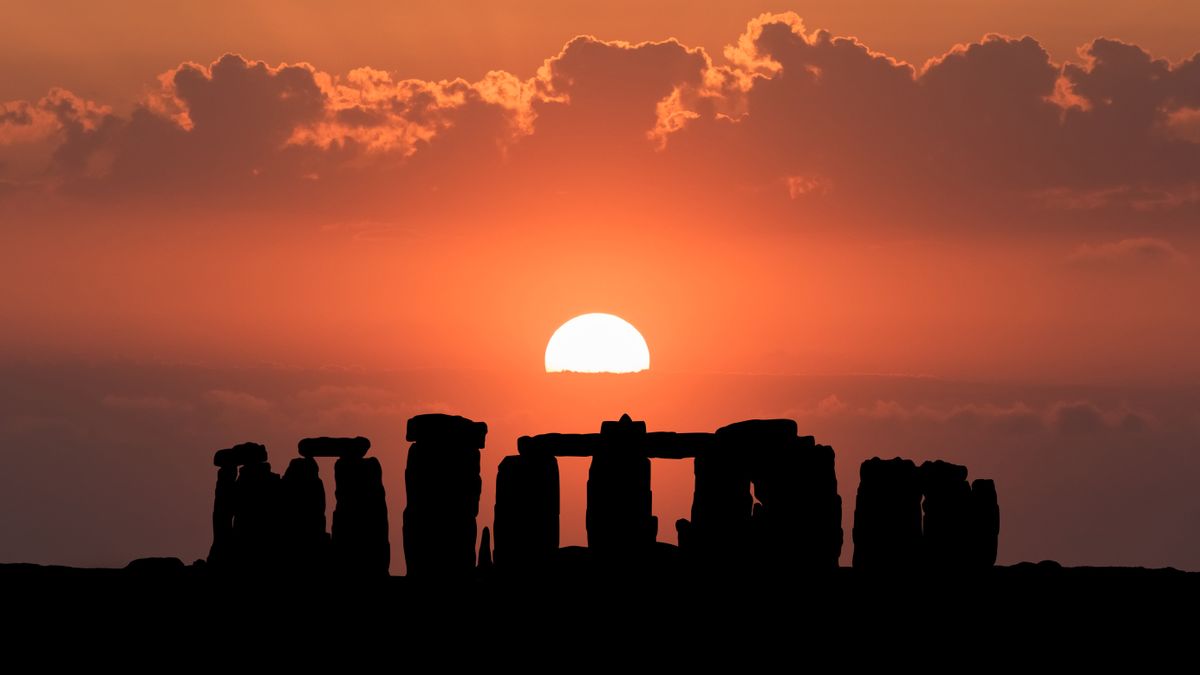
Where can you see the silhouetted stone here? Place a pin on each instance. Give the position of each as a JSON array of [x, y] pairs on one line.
[[673, 445], [527, 512], [485, 552], [303, 535], [825, 506], [245, 512], [624, 428], [887, 516], [559, 445], [444, 429], [718, 534], [221, 553], [621, 525], [655, 444], [334, 447], [359, 538], [985, 524], [243, 453], [959, 529], [256, 520], [684, 534], [156, 567], [761, 431], [797, 524], [946, 532], [443, 483]]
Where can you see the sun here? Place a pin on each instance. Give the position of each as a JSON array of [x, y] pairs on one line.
[[597, 343]]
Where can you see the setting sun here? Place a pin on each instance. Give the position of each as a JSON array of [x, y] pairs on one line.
[[597, 343]]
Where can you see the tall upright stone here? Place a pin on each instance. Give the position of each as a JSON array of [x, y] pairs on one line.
[[946, 532], [485, 553], [621, 526], [443, 484], [222, 553], [797, 523], [718, 534], [887, 516], [985, 524], [256, 521], [359, 536], [245, 511], [526, 519], [304, 537]]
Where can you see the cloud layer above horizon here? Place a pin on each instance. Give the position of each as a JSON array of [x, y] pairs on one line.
[[797, 113]]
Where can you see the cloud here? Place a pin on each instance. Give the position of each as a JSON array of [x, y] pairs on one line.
[[57, 111], [238, 127], [1015, 418], [17, 119], [334, 404], [238, 401], [1184, 124], [830, 405], [1137, 252], [993, 124], [1085, 417], [1074, 417], [370, 110], [1132, 422]]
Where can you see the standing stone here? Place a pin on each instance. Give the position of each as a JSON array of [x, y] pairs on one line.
[[443, 484], [527, 512], [718, 534], [305, 541], [813, 502], [689, 545], [887, 516], [621, 526], [240, 455], [485, 552], [946, 537], [359, 539], [325, 446], [985, 524], [797, 523], [224, 505], [243, 509], [256, 521]]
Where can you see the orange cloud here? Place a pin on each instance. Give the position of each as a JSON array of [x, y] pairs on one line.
[[1139, 251], [57, 111], [990, 122]]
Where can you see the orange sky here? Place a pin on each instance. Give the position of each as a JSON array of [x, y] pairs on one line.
[[328, 209]]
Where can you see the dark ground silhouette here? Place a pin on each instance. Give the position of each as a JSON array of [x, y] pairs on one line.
[[757, 561], [1027, 616]]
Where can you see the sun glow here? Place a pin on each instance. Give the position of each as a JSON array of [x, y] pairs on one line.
[[597, 343]]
